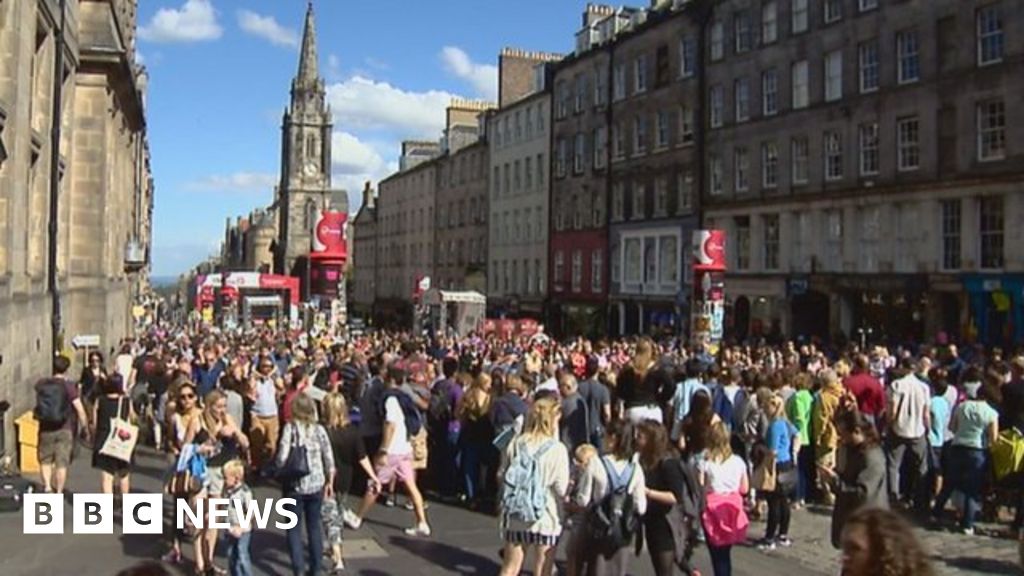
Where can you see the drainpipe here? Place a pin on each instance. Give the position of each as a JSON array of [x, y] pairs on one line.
[[56, 340], [702, 14]]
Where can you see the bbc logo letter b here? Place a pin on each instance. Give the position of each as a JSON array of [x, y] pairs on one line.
[[43, 514], [93, 514]]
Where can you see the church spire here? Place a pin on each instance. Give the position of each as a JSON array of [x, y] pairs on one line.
[[309, 72]]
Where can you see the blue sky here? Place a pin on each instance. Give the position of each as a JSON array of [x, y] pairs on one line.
[[220, 71]]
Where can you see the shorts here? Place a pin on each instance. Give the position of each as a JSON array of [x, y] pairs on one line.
[[214, 482], [524, 538], [399, 467], [55, 447]]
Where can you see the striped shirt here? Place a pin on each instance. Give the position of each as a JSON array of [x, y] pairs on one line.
[[318, 452]]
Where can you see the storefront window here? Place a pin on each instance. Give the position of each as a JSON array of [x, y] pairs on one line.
[[633, 261], [669, 262]]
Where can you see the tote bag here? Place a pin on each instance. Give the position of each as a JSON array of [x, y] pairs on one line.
[[120, 443]]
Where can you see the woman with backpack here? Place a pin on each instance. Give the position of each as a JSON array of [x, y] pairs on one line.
[[725, 481], [612, 487], [535, 473]]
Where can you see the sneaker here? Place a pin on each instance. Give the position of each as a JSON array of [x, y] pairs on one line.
[[967, 531], [408, 505], [389, 501], [349, 517], [784, 541], [355, 522], [766, 545], [422, 529], [339, 566]]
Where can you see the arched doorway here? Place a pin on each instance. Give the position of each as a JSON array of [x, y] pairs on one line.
[[810, 313]]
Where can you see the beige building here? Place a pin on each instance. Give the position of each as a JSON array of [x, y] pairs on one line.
[[105, 190], [460, 242], [364, 251]]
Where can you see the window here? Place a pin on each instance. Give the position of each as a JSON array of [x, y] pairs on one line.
[[908, 156], [867, 54], [951, 225], [743, 31], [771, 242], [600, 146], [581, 91], [596, 271], [869, 149], [540, 170], [634, 261], [742, 87], [600, 87], [717, 41], [561, 151], [866, 5], [639, 134], [833, 156], [684, 190], [540, 119], [661, 129], [579, 149], [539, 273], [618, 143], [833, 76], [742, 242], [801, 97], [497, 181], [990, 35], [508, 179], [769, 165], [559, 271], [769, 22], [800, 149], [661, 196], [908, 62], [669, 261], [577, 270], [991, 130], [517, 181], [741, 169], [619, 82], [715, 169], [529, 122], [769, 92], [799, 16], [991, 228], [519, 125], [616, 262], [717, 104], [834, 239], [618, 202], [640, 74], [833, 11], [639, 202], [563, 105], [528, 172], [687, 57], [686, 125]]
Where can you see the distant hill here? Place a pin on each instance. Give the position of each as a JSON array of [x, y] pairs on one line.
[[163, 281]]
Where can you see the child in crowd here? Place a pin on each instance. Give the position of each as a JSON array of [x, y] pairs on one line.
[[240, 533], [574, 552]]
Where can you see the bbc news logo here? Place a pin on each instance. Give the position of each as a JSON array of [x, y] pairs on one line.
[[144, 513]]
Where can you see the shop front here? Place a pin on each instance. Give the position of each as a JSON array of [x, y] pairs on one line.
[[756, 308], [880, 308], [996, 309]]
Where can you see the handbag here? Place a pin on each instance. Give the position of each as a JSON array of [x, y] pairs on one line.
[[765, 478], [183, 485], [120, 442], [296, 465]]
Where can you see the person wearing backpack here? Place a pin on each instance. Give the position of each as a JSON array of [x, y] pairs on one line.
[[394, 460], [56, 398], [613, 489], [443, 430], [535, 474]]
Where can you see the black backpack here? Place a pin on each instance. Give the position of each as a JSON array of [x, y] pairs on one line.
[[413, 421], [612, 521], [440, 409], [51, 402]]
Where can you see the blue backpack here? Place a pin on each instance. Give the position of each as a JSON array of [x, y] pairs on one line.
[[729, 412], [524, 495]]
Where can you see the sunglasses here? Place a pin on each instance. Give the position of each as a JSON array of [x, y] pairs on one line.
[[188, 396]]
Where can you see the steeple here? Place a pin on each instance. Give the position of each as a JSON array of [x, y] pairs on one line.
[[309, 71]]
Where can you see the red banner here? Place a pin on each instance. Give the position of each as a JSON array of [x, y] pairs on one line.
[[329, 236], [709, 250]]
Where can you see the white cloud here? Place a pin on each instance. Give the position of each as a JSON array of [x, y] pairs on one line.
[[333, 67], [195, 21], [482, 77], [237, 182], [267, 28], [355, 163], [361, 103]]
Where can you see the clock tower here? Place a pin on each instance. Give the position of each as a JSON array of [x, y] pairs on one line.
[[305, 187]]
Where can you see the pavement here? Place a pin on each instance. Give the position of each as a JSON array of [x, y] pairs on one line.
[[463, 542]]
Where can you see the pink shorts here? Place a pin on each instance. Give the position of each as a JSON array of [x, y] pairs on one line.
[[396, 467]]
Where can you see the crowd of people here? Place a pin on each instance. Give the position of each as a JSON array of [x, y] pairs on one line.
[[606, 448]]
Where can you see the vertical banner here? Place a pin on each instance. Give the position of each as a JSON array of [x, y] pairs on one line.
[[708, 312]]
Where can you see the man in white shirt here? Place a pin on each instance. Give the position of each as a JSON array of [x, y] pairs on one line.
[[908, 400], [394, 460]]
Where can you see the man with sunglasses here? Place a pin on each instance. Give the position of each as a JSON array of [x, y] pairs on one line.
[[265, 387]]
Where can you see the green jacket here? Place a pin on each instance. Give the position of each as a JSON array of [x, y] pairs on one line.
[[799, 412]]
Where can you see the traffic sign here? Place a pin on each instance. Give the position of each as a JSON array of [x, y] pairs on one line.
[[86, 341]]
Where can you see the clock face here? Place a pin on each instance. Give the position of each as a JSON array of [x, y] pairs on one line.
[[311, 169]]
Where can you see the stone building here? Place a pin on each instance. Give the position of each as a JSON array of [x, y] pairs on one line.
[[520, 157], [105, 189], [248, 243], [460, 241], [364, 251], [654, 161], [866, 159]]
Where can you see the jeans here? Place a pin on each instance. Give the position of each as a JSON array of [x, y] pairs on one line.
[[239, 563], [965, 471], [916, 449], [308, 507], [721, 560], [805, 473], [472, 454], [444, 452], [778, 514]]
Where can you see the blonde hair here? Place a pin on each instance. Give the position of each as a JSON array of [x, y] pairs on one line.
[[235, 468], [584, 453], [542, 419], [303, 409], [646, 355], [773, 407], [335, 411], [476, 403], [209, 401], [719, 448]]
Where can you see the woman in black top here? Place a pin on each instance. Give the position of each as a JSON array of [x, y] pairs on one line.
[[91, 381], [664, 487], [111, 404]]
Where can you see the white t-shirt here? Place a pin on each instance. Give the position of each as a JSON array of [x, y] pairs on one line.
[[909, 399], [723, 477], [123, 365], [400, 445]]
